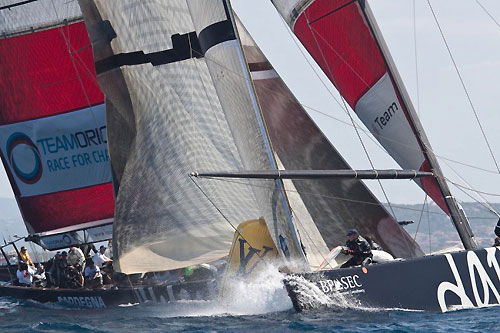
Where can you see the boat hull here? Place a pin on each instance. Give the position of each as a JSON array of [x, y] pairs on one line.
[[114, 296], [463, 279]]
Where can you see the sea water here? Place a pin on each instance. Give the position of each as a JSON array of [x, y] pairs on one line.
[[262, 305]]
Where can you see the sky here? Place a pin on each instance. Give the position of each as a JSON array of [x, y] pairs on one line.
[[450, 124]]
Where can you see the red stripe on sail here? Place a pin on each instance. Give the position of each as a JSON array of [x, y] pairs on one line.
[[431, 187], [340, 41], [63, 209], [42, 74], [337, 36], [39, 77]]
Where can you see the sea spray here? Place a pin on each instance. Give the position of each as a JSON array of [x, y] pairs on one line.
[[310, 296], [263, 292]]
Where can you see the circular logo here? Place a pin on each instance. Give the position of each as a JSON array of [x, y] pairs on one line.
[[67, 239], [20, 149]]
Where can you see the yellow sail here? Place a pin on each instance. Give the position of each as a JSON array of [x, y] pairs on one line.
[[252, 245]]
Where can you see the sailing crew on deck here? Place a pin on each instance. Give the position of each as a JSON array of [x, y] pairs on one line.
[[24, 256], [39, 278], [93, 276], [52, 268], [76, 258], [100, 259], [24, 275], [359, 248], [67, 275]]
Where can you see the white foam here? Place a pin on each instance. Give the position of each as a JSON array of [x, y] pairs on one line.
[[264, 293], [7, 307], [311, 296]]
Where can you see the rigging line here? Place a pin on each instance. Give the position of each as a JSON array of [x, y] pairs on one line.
[[20, 3], [471, 189], [416, 54], [317, 75], [331, 196], [463, 85], [489, 207], [73, 62], [222, 214], [488, 13], [311, 65], [307, 234], [313, 32], [357, 125], [467, 165], [420, 218]]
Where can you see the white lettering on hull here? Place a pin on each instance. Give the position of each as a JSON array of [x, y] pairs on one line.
[[92, 302], [342, 284], [474, 266]]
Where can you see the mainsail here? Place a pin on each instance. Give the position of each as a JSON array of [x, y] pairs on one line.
[[334, 206], [53, 129], [180, 99], [343, 38]]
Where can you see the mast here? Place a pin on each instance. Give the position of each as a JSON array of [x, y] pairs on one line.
[[457, 215], [265, 134]]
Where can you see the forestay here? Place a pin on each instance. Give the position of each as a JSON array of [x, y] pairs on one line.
[[179, 99], [53, 129], [334, 206]]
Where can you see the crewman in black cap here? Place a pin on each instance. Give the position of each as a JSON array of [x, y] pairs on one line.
[[359, 248]]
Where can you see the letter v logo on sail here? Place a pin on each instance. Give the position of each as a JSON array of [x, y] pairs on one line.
[[245, 259]]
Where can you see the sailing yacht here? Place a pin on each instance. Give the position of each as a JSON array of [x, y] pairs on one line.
[[345, 41], [205, 141]]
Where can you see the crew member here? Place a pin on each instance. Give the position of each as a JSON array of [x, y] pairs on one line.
[[100, 259], [359, 248], [24, 275], [76, 258], [93, 276], [24, 256]]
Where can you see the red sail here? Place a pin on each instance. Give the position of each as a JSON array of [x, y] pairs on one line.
[[340, 38], [53, 131]]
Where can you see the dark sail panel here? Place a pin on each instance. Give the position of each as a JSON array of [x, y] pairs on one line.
[[334, 205], [179, 99]]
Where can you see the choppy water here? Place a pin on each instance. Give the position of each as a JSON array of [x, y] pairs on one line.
[[262, 306]]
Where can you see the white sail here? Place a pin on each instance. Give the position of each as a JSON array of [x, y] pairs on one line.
[[179, 100]]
